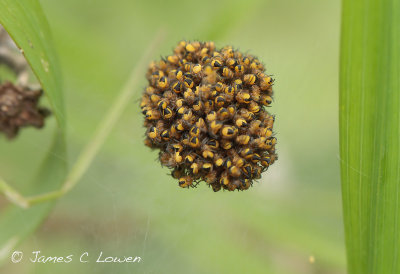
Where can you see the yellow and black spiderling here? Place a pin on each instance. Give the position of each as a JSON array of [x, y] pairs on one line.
[[205, 110]]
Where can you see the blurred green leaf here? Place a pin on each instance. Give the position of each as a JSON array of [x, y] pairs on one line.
[[27, 25], [369, 134]]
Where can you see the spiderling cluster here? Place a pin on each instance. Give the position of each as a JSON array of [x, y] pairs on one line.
[[205, 111]]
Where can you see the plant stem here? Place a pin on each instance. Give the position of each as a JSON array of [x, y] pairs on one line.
[[119, 105], [13, 195], [92, 148], [41, 198]]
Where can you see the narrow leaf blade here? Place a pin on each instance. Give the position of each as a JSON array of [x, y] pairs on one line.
[[27, 25], [370, 134]]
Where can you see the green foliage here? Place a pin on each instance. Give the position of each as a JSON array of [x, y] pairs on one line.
[[27, 25], [369, 134], [127, 204]]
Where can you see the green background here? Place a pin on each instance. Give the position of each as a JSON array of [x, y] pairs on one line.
[[126, 204]]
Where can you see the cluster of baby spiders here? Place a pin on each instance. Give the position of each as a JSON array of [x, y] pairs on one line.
[[205, 111]]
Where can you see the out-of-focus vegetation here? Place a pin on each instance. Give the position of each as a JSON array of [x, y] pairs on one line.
[[28, 27], [127, 204]]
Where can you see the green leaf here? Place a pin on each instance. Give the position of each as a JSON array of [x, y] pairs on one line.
[[25, 22], [370, 134]]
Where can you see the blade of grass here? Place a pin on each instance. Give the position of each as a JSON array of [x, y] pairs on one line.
[[27, 25], [370, 134]]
